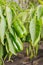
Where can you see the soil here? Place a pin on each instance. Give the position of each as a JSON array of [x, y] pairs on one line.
[[23, 59]]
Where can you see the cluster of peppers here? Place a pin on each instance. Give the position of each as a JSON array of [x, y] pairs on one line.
[[11, 30]]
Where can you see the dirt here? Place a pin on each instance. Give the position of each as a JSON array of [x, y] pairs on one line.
[[23, 59]]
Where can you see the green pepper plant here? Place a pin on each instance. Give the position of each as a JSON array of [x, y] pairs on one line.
[[33, 21], [11, 30], [17, 25]]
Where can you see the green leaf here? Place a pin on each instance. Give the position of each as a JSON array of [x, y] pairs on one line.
[[9, 16], [2, 28], [35, 30], [39, 11]]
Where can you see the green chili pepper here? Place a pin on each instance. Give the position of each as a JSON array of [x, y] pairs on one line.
[[10, 45], [22, 26], [18, 29], [16, 41]]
